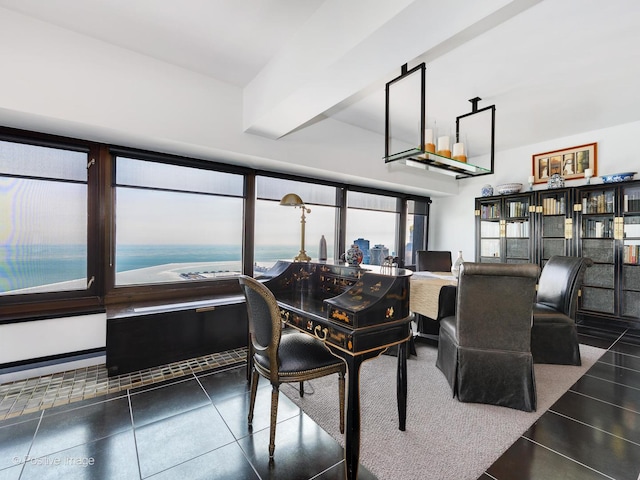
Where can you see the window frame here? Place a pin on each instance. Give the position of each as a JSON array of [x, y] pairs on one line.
[[35, 306], [102, 292]]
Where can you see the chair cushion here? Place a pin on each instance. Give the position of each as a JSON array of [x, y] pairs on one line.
[[300, 353]]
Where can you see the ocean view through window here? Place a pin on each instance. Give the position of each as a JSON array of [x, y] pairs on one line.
[[43, 219], [176, 223]]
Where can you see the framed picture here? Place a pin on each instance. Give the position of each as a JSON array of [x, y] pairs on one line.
[[570, 163]]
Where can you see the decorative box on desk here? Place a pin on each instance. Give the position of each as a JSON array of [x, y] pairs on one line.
[[372, 299]]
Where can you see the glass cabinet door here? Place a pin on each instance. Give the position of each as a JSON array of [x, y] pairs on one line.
[[597, 242], [490, 226], [630, 292], [517, 231], [555, 224]]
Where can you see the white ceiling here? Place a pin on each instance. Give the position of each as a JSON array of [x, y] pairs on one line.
[[553, 68]]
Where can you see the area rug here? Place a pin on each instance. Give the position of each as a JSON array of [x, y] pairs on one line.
[[444, 438]]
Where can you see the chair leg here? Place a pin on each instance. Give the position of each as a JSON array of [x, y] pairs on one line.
[[254, 390], [341, 400], [274, 416], [301, 389]]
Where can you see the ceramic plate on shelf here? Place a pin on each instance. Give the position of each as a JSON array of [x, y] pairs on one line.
[[508, 188], [618, 177]]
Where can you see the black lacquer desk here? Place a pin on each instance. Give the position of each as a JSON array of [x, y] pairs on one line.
[[358, 313]]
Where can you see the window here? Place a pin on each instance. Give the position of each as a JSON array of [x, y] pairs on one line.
[[416, 229], [176, 223], [278, 229], [82, 225], [43, 219], [372, 224]]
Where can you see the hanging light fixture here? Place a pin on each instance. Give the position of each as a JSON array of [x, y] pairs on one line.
[[409, 142]]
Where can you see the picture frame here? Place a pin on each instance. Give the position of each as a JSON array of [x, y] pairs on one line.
[[570, 163]]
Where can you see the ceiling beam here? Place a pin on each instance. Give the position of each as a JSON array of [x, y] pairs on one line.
[[369, 41]]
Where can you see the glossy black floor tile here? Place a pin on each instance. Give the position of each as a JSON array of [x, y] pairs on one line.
[[604, 416], [303, 450], [525, 460], [587, 445], [235, 412], [221, 464], [225, 384], [609, 392], [70, 428], [15, 441], [622, 360], [180, 438], [112, 457], [158, 402], [617, 374]]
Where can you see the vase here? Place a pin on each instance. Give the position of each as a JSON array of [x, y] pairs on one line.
[[322, 250], [487, 190], [455, 268], [354, 256]]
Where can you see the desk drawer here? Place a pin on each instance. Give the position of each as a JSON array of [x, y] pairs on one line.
[[355, 341], [332, 334]]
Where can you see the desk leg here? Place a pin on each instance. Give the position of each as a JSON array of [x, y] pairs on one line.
[[352, 422], [401, 385], [352, 427]]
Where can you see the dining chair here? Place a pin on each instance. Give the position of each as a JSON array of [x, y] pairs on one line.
[[291, 358], [554, 334], [433, 261], [484, 350]]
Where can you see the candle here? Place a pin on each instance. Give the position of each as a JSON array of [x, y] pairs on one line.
[[458, 152], [532, 179], [429, 146], [588, 173], [443, 146]]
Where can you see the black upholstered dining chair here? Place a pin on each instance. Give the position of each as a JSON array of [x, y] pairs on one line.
[[433, 261], [484, 349], [554, 335], [294, 357]]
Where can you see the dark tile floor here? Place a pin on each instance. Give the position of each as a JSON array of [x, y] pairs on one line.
[[593, 430], [195, 428]]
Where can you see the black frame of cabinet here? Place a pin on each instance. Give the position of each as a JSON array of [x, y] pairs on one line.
[[513, 215], [592, 219]]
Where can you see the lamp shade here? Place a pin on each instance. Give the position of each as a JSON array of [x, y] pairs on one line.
[[292, 200]]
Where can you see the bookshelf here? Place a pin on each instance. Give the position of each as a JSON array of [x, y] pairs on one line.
[[599, 221]]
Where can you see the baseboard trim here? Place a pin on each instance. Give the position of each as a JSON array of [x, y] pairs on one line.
[[36, 367]]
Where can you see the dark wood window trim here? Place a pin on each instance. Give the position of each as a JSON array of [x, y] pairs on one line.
[[102, 293]]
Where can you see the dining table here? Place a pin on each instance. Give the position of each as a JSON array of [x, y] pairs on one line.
[[432, 295]]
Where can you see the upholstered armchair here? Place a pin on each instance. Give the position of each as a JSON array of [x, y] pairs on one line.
[[484, 349], [554, 335]]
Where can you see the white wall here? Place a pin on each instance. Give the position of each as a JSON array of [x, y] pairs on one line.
[[56, 81], [57, 336], [452, 223]]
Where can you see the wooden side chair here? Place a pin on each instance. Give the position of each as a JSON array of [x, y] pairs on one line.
[[294, 357]]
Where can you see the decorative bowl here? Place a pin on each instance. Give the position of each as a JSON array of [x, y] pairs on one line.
[[618, 177], [507, 188]]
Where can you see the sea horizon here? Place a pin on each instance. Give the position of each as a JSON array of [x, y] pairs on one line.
[[23, 267]]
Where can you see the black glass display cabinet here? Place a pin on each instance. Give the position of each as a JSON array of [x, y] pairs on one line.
[[554, 225], [505, 225], [609, 220], [599, 221]]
